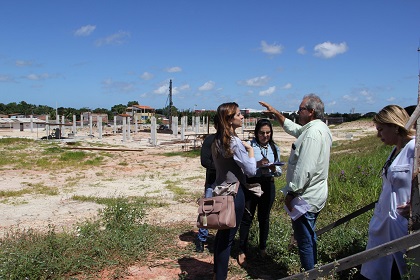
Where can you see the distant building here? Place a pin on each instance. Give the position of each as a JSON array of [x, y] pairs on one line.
[[247, 111], [119, 118], [86, 116], [142, 112], [21, 124]]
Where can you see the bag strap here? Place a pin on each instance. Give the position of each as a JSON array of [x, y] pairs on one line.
[[274, 149]]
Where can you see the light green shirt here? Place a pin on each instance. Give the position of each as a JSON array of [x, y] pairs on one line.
[[307, 171]]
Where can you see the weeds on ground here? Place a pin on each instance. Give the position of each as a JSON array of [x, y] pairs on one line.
[[117, 238]]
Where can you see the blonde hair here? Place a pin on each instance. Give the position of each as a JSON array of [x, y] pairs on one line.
[[394, 115]]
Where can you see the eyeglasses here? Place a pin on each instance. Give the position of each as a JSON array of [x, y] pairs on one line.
[[302, 108]]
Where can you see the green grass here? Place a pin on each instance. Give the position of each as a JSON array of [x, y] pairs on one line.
[[116, 239], [19, 153], [119, 237]]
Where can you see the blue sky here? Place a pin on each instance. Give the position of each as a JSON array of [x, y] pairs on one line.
[[357, 55]]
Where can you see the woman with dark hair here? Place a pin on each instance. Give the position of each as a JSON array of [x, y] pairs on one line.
[[390, 217], [233, 159], [266, 151]]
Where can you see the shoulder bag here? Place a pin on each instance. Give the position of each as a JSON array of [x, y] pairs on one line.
[[218, 212]]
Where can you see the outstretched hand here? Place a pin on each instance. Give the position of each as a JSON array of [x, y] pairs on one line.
[[270, 108]]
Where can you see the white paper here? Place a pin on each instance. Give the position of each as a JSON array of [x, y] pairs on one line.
[[299, 207], [277, 163]]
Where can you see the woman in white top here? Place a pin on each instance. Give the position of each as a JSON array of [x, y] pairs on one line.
[[390, 217]]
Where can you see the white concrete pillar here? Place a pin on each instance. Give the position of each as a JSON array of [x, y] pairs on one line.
[[81, 120], [115, 124], [32, 124], [124, 129], [197, 124], [128, 128], [99, 124], [153, 132], [74, 125], [182, 128], [90, 124]]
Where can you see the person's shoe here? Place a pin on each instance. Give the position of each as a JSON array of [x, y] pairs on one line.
[[199, 246], [242, 259]]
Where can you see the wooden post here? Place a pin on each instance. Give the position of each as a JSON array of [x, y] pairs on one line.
[[413, 254]]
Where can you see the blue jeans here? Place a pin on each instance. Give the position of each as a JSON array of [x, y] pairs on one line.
[[224, 239], [304, 232], [203, 233]]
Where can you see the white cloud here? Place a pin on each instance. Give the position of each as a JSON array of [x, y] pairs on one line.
[[287, 86], [38, 77], [85, 30], [367, 96], [118, 38], [268, 91], [350, 98], [207, 86], [184, 87], [329, 50], [146, 76], [173, 69], [391, 99], [176, 90], [301, 50], [6, 78], [117, 86], [162, 90], [271, 49], [22, 63], [255, 82]]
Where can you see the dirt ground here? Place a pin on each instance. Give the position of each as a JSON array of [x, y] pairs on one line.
[[145, 173]]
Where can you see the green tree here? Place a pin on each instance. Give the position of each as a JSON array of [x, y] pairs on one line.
[[118, 109], [131, 103]]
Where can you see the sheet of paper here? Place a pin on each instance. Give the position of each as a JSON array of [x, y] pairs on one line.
[[299, 207], [278, 163]]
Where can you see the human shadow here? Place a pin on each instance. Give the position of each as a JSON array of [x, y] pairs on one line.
[[190, 236], [258, 267], [192, 268]]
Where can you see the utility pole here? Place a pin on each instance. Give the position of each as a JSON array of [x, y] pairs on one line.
[[170, 104]]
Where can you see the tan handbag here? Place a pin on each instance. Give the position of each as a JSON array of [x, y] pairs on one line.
[[216, 212]]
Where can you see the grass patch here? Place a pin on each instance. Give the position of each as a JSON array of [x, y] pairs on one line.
[[191, 153], [37, 188], [19, 153], [118, 238]]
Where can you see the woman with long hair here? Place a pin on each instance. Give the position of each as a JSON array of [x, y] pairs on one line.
[[266, 151], [233, 159], [390, 217]]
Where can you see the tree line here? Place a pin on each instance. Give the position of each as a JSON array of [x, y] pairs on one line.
[[26, 109]]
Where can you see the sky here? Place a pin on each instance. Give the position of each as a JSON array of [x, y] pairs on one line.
[[357, 55]]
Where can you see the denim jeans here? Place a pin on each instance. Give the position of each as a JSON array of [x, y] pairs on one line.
[[225, 238], [304, 233], [203, 233], [264, 204]]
